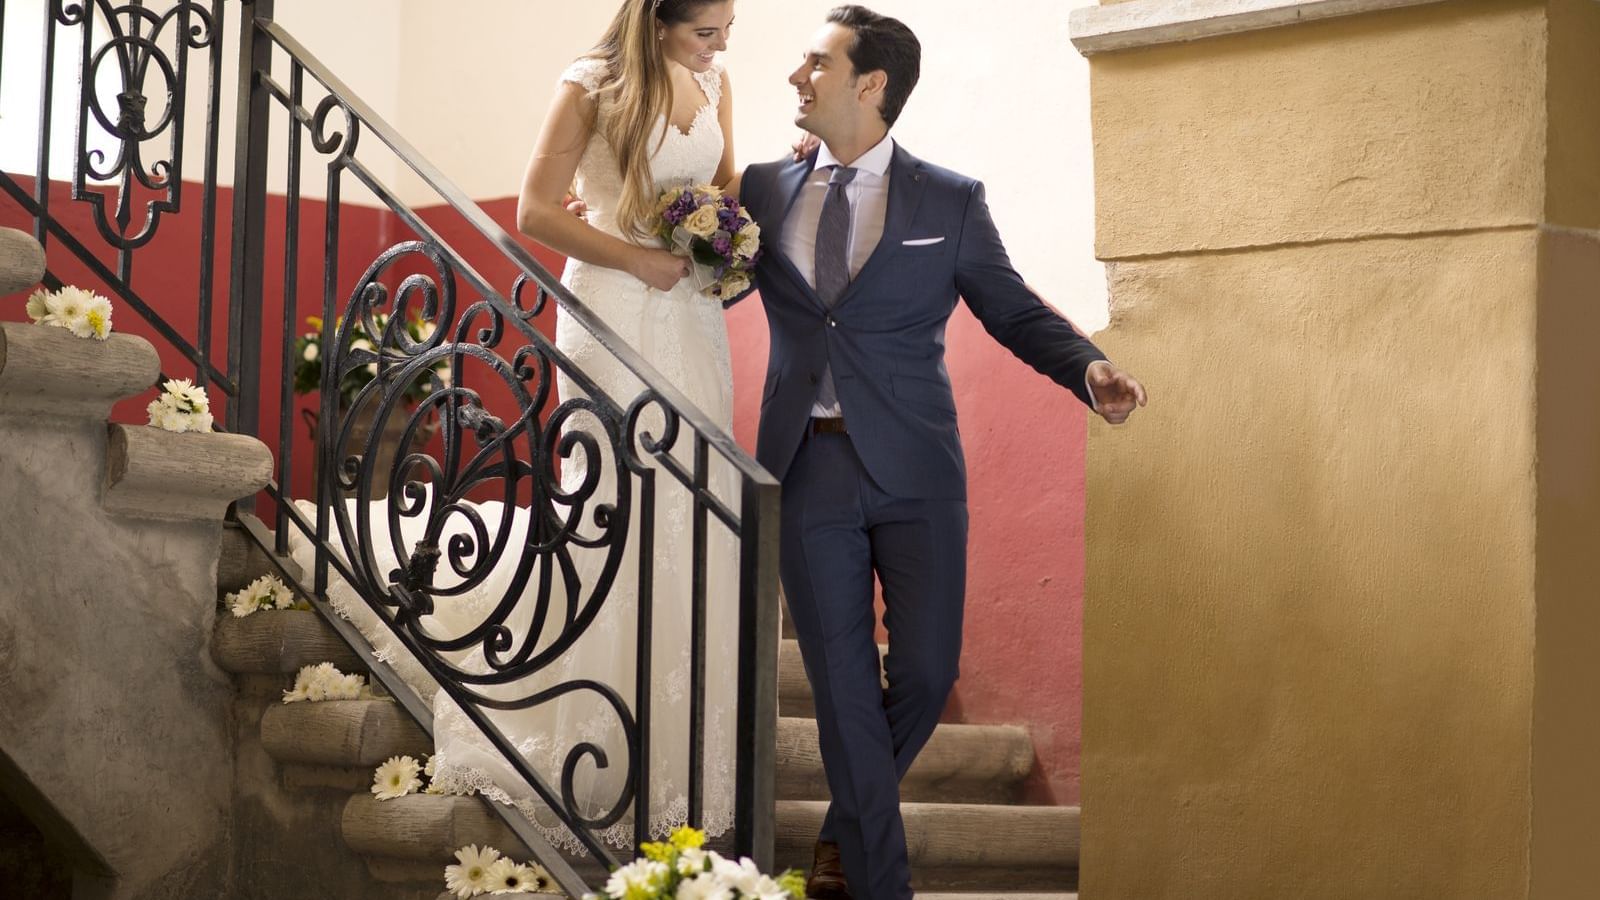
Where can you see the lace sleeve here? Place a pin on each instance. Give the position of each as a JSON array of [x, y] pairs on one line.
[[711, 82], [587, 72]]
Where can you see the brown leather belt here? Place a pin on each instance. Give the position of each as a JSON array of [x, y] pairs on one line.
[[828, 426]]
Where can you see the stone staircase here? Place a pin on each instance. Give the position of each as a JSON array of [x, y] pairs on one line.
[[285, 787], [967, 835]]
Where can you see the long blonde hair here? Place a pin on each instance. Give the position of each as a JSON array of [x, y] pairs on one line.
[[638, 92]]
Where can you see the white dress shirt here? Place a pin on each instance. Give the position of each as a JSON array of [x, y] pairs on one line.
[[869, 204]]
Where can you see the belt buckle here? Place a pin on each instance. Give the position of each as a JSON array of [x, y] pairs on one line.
[[830, 425]]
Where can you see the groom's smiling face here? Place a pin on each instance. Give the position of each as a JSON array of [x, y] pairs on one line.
[[829, 91]]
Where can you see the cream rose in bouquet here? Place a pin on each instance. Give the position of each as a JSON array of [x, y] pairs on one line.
[[715, 233]]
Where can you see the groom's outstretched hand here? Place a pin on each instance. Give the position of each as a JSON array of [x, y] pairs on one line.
[[1116, 393]]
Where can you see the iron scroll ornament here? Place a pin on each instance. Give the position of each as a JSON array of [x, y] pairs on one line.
[[516, 460], [132, 53]]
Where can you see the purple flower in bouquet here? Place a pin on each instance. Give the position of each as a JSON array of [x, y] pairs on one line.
[[680, 208], [712, 229]]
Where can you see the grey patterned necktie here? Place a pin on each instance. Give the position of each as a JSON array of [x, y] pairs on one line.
[[833, 259]]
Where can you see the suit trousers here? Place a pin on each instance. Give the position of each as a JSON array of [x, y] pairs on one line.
[[839, 529]]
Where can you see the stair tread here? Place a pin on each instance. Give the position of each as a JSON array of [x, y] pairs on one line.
[[794, 689], [954, 835], [993, 895], [423, 826], [938, 834], [961, 763], [965, 762], [342, 733], [279, 642]]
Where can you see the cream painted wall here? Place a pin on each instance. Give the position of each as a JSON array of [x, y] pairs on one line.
[[1003, 98], [367, 64]]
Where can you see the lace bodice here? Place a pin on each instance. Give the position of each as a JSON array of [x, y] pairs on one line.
[[689, 157]]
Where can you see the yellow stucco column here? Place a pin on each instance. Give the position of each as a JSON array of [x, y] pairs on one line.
[[1342, 624]]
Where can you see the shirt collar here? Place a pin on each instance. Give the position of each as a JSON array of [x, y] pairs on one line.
[[873, 162]]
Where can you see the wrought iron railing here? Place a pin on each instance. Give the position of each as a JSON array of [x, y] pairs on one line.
[[481, 372]]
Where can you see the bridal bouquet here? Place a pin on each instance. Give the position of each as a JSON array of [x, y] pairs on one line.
[[716, 233], [681, 867]]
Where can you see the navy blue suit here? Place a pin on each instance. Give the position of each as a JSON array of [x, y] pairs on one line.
[[888, 497]]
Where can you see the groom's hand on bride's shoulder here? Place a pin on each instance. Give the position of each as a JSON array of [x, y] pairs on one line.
[[1116, 393], [575, 205]]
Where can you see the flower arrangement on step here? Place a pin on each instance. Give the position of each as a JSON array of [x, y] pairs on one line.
[[479, 872], [266, 592], [716, 233], [84, 313], [324, 681], [308, 353], [401, 776], [182, 406], [682, 868]]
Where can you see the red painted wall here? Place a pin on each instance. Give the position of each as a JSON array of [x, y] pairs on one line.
[[1024, 437]]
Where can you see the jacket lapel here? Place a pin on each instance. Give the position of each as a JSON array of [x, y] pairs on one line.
[[786, 191], [907, 181]]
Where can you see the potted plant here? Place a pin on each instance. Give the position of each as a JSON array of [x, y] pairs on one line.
[[308, 380]]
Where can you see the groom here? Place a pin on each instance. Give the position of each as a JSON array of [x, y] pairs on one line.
[[869, 250]]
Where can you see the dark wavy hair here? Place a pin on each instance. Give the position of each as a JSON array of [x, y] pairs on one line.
[[886, 45]]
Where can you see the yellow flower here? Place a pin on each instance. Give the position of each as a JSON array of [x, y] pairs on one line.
[[686, 838], [658, 851], [99, 321]]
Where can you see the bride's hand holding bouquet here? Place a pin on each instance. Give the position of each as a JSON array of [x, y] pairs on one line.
[[715, 233]]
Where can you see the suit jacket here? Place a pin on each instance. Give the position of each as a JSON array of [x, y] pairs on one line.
[[885, 338]]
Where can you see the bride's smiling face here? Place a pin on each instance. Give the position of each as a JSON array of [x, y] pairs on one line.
[[695, 44]]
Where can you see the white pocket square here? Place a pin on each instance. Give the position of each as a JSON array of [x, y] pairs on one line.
[[922, 242]]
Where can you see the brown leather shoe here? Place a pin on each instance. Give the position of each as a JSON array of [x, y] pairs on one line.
[[827, 875]]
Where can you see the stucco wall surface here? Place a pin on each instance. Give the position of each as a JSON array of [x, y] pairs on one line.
[[1310, 581], [112, 707], [1410, 121]]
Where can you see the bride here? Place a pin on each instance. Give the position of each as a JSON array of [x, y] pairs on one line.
[[647, 109]]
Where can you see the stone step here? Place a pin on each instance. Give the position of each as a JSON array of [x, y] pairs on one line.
[[279, 642], [794, 690], [962, 847], [49, 373], [423, 827], [21, 261], [970, 895], [991, 895], [953, 847], [414, 837], [961, 764], [341, 733]]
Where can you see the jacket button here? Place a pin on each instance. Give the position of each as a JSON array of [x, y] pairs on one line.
[[833, 322], [812, 378]]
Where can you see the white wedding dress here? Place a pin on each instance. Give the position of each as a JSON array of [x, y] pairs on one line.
[[683, 336]]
